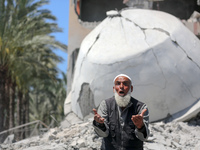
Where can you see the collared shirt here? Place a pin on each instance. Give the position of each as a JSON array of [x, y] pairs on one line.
[[140, 134]]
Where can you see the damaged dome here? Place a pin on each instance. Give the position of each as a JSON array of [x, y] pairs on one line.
[[154, 48]]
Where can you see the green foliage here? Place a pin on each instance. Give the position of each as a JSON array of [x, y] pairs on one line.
[[27, 59], [47, 100]]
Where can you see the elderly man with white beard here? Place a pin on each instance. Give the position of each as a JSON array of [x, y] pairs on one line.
[[122, 120]]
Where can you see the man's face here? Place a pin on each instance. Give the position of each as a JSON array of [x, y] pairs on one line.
[[122, 86]]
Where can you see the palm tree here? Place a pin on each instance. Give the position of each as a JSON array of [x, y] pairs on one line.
[[47, 101], [25, 55]]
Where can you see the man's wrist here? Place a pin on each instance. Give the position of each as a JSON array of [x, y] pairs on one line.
[[141, 129], [100, 125]]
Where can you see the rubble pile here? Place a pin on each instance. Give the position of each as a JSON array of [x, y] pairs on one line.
[[81, 136]]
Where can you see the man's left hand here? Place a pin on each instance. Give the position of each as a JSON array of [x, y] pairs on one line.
[[138, 119]]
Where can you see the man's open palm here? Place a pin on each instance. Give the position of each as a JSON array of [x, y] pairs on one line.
[[138, 119]]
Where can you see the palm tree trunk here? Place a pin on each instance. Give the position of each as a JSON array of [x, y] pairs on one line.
[[2, 102], [19, 106], [23, 115], [12, 106], [2, 97], [27, 113], [6, 103]]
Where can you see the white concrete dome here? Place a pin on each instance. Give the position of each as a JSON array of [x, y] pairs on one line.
[[154, 48]]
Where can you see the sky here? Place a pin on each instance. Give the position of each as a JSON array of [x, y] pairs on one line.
[[60, 9]]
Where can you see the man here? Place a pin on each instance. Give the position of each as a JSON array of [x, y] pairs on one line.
[[122, 121]]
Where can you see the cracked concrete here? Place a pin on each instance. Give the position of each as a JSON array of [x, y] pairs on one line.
[[86, 99], [189, 57], [154, 48]]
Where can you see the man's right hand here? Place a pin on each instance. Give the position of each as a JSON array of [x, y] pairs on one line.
[[97, 117]]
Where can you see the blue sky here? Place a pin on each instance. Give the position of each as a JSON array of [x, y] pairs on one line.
[[60, 9]]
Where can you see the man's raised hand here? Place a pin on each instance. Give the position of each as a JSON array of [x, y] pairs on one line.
[[97, 117], [138, 119]]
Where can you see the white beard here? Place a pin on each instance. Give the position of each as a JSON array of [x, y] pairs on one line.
[[122, 101]]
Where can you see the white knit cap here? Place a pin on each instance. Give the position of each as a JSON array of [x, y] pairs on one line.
[[122, 75]]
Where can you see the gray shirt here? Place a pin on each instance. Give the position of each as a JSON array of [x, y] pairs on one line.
[[122, 115]]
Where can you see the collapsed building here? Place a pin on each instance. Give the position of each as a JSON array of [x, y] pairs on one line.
[[83, 91]]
